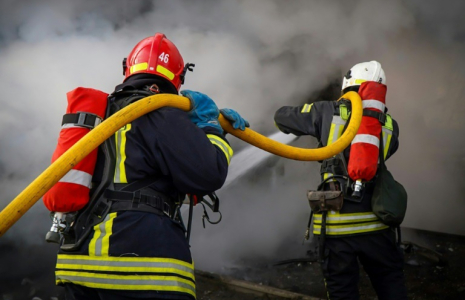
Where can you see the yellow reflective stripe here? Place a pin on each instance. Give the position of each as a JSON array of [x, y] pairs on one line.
[[337, 218], [165, 71], [126, 264], [339, 133], [128, 259], [306, 108], [108, 233], [139, 67], [388, 124], [93, 241], [120, 139], [387, 136], [326, 175], [337, 125], [100, 242], [331, 134], [343, 111], [335, 131], [127, 282], [388, 143], [350, 229], [223, 145]]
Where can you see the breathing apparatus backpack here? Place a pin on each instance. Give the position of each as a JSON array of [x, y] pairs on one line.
[[89, 202], [86, 109], [75, 195]]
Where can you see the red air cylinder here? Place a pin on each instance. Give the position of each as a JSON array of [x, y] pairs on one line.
[[364, 152], [71, 193]]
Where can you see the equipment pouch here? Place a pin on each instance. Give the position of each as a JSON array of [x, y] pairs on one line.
[[325, 200], [389, 201]]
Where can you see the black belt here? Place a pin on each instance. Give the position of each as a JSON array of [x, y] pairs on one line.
[[142, 200]]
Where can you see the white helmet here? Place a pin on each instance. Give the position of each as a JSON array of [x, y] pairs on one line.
[[365, 71]]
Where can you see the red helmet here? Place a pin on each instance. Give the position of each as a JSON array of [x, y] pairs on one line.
[[156, 55]]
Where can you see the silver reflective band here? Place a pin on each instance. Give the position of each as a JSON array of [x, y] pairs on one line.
[[374, 104], [88, 264], [338, 120], [71, 125], [77, 177], [366, 138]]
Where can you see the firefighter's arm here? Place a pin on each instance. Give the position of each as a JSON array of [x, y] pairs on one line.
[[299, 120], [196, 158]]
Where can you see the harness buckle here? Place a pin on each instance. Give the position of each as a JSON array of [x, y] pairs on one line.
[[167, 209], [88, 120], [136, 199]]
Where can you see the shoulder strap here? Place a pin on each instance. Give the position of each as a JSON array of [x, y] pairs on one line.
[[121, 99], [381, 149]]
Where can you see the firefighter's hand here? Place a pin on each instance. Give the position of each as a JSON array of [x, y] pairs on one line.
[[234, 118], [204, 112]]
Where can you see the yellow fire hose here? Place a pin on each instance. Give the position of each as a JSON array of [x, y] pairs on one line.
[[29, 196]]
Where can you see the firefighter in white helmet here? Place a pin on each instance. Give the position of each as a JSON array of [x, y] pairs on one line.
[[349, 232]]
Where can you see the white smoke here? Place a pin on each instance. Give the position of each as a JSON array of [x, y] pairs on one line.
[[252, 56]]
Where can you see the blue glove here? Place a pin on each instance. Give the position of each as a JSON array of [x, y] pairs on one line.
[[204, 112], [234, 118]]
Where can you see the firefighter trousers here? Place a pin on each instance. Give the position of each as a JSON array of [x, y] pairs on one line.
[[381, 258], [79, 292]]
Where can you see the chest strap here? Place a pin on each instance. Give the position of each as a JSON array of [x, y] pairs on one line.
[[377, 115]]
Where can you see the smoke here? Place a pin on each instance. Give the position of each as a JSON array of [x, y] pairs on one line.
[[252, 56]]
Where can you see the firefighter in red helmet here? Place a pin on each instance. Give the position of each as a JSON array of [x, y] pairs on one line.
[[353, 233], [128, 241]]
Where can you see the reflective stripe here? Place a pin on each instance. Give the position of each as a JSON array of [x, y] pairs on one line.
[[354, 81], [120, 139], [306, 108], [374, 104], [344, 112], [388, 124], [127, 282], [367, 139], [222, 144], [139, 67], [341, 230], [126, 264], [165, 71], [387, 135], [71, 125], [327, 175], [350, 229], [100, 242], [77, 177], [337, 218], [337, 125]]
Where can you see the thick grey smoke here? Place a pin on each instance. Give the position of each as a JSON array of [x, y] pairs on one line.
[[252, 56]]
